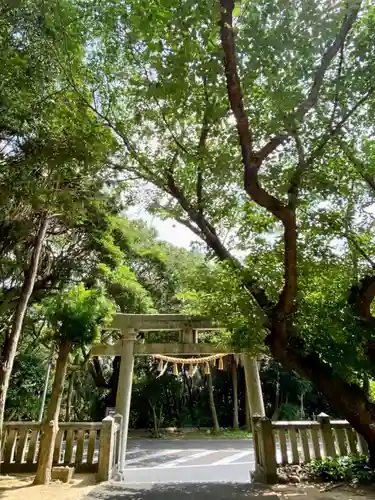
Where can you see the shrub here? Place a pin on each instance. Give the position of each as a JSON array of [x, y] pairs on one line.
[[349, 468]]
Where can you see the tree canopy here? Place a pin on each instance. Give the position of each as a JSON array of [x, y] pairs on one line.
[[251, 124], [294, 88]]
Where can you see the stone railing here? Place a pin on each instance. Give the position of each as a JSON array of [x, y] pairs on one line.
[[86, 446], [299, 442]]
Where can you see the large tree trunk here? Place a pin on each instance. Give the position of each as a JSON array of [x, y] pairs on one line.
[[51, 422], [211, 398], [236, 424], [11, 342]]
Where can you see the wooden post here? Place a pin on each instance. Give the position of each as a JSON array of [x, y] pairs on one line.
[[124, 390], [268, 452], [327, 435], [106, 449]]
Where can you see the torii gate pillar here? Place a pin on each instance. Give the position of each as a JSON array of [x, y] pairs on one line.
[[253, 386], [124, 390]]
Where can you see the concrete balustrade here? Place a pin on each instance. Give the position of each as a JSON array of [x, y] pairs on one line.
[[86, 446], [299, 442]]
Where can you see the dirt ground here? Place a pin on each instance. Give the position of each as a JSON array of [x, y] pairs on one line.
[[20, 488], [324, 492]]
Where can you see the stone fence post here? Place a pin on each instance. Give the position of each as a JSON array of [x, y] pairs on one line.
[[117, 441], [265, 451], [327, 435], [268, 451], [107, 445]]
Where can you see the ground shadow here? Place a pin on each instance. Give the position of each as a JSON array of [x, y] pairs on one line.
[[182, 491]]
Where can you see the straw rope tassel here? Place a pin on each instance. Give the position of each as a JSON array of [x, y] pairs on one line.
[[161, 365], [221, 364], [207, 370], [191, 370], [175, 370]]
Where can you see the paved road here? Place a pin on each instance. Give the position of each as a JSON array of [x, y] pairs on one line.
[[151, 461], [186, 470]]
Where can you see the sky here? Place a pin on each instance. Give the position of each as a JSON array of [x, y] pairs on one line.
[[168, 230]]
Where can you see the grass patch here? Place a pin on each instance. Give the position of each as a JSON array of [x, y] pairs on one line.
[[206, 434], [203, 434], [352, 468]]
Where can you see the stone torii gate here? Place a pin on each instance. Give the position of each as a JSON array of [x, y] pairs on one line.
[[188, 327]]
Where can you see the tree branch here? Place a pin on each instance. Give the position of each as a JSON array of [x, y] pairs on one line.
[[327, 58], [338, 78], [201, 147], [208, 231], [360, 250], [357, 163], [252, 163], [313, 95], [296, 177], [95, 369], [177, 141], [304, 163], [128, 143], [339, 126], [189, 225]]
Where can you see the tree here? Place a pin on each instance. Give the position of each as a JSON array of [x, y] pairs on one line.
[[147, 276], [295, 75], [11, 342], [51, 159], [76, 318], [233, 366], [211, 397], [26, 384]]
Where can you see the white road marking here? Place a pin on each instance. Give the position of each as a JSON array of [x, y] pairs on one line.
[[232, 458], [134, 469], [188, 458], [131, 452], [153, 455]]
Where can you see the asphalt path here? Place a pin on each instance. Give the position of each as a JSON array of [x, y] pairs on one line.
[[182, 461], [181, 469]]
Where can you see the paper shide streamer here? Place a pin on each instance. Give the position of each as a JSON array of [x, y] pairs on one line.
[[191, 362]]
